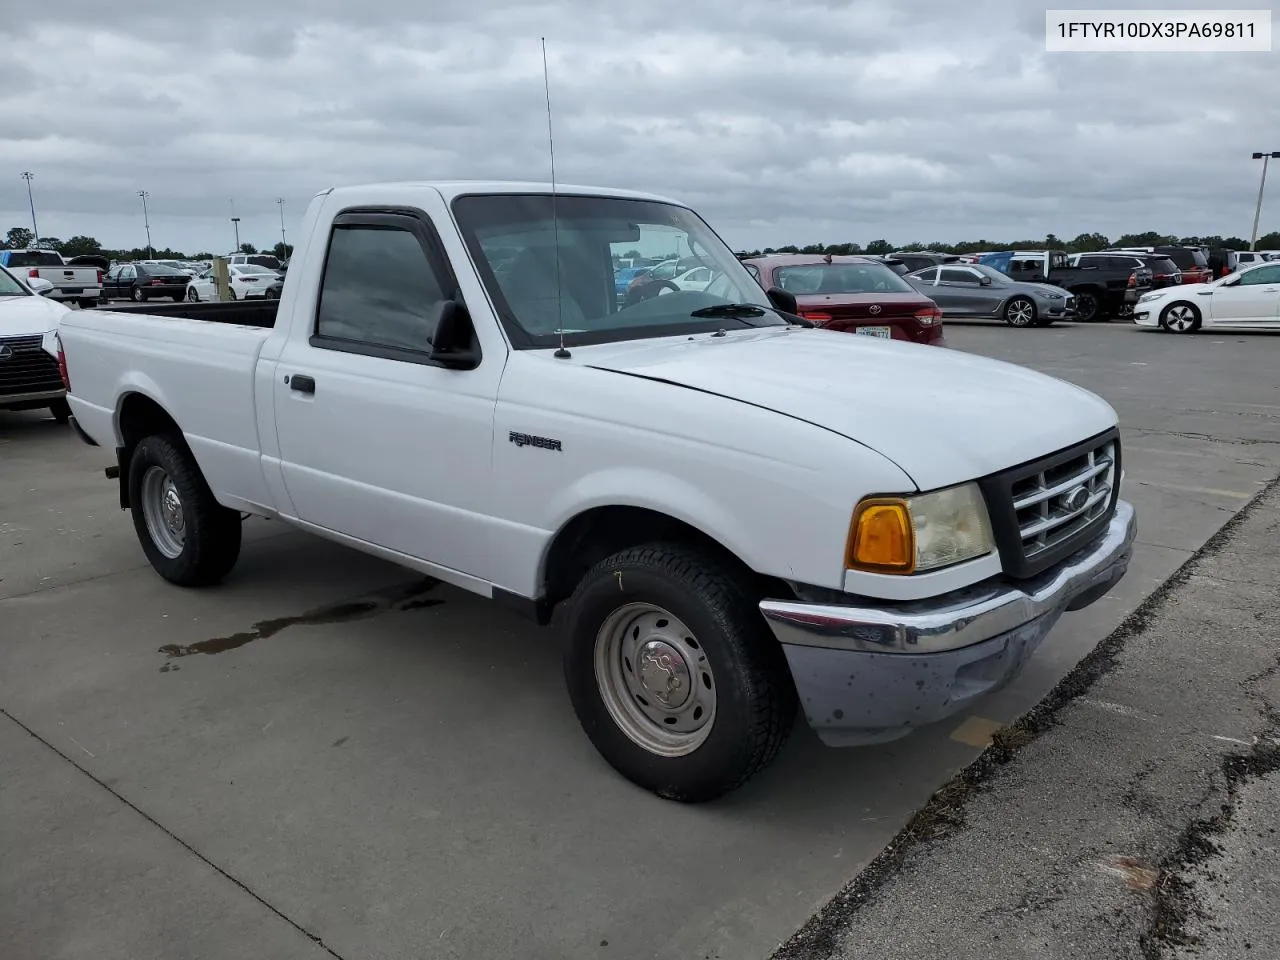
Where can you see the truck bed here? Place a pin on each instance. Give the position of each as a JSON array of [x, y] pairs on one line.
[[245, 313]]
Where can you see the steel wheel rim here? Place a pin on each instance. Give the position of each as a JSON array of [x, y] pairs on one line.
[[1180, 319], [655, 680], [163, 512], [1020, 313]]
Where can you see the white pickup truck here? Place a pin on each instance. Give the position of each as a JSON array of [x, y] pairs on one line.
[[729, 512], [70, 282]]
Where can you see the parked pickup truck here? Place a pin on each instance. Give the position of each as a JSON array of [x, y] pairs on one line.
[[1100, 292], [82, 284], [729, 512]]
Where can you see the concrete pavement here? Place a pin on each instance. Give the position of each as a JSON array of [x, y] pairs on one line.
[[399, 779], [1131, 814]]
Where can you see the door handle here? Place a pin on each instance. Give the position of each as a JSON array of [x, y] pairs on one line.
[[302, 384]]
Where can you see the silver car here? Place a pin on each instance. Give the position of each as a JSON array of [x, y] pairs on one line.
[[976, 290]]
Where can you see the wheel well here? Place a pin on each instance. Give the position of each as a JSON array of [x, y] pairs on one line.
[[140, 417], [602, 531]]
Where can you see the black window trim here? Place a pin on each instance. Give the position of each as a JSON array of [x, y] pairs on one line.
[[413, 221]]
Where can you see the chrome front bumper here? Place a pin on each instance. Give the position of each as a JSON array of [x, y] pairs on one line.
[[873, 673]]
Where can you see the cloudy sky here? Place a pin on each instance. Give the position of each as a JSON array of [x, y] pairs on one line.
[[801, 121]]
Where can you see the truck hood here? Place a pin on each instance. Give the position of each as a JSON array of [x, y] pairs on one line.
[[27, 316], [943, 416]]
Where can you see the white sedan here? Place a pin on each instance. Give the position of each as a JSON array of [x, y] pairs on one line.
[[248, 281], [695, 279], [1246, 300]]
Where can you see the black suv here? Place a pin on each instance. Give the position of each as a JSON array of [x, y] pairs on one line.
[[1164, 272]]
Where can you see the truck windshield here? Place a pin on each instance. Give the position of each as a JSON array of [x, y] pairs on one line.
[[10, 287], [548, 275]]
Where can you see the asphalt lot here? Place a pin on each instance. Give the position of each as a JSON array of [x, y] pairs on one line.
[[413, 782]]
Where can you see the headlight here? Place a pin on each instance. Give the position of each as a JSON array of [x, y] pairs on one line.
[[1051, 296], [1148, 297], [915, 534]]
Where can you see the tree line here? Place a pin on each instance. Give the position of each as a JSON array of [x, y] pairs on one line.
[[19, 238], [1084, 243]]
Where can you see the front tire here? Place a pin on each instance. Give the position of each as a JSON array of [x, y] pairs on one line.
[[1020, 312], [673, 673], [189, 538], [61, 411], [88, 304], [1181, 318]]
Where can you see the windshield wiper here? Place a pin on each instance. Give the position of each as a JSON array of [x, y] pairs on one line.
[[740, 311], [735, 310]]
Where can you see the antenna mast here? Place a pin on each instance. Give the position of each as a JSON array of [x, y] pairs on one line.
[[561, 353]]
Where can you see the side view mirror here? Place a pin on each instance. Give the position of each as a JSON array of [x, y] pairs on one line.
[[985, 281], [40, 286], [783, 300], [453, 343]]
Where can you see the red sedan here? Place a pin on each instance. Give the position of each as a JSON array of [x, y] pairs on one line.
[[853, 294]]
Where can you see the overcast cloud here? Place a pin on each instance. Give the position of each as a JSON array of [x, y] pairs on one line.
[[779, 121]]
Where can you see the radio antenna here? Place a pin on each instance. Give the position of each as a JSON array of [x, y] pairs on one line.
[[561, 353]]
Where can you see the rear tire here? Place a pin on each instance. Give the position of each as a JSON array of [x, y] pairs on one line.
[[61, 411], [696, 627], [189, 538], [136, 295], [1088, 306], [87, 304], [192, 295], [177, 298]]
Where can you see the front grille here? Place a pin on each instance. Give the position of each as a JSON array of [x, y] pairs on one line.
[[26, 368], [1043, 511], [1057, 503]]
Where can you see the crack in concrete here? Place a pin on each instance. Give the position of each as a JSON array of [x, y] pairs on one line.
[[313, 937]]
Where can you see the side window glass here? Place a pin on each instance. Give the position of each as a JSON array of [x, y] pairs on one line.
[[957, 275], [379, 288], [927, 276]]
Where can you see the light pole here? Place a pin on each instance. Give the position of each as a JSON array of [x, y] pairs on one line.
[[284, 244], [146, 221], [235, 225], [1257, 210], [35, 231]]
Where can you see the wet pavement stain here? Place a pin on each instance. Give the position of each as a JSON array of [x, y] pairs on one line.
[[410, 596]]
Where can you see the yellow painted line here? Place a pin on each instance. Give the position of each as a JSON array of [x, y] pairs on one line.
[[1213, 491], [976, 731]]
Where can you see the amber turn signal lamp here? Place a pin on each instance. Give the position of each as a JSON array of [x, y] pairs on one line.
[[881, 538]]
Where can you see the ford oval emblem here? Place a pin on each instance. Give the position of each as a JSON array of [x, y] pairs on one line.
[[1076, 498], [874, 309]]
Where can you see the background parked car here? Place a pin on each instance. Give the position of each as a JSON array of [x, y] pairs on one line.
[[1100, 292], [29, 376], [1250, 258], [1192, 261], [140, 282], [80, 283], [248, 282], [919, 259], [178, 265], [261, 259], [976, 290], [1164, 272], [853, 294], [1246, 300]]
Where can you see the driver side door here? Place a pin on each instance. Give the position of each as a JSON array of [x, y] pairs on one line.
[[1252, 301], [961, 293]]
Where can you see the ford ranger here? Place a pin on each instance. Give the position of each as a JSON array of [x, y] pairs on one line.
[[728, 512]]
